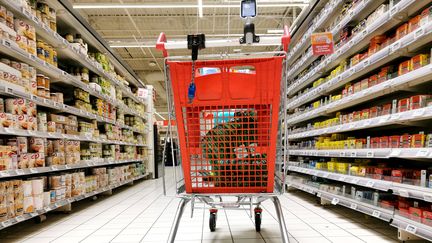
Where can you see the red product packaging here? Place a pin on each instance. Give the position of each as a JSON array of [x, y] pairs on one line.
[[418, 101], [414, 23], [384, 142], [417, 140], [374, 111], [404, 68], [386, 109], [427, 218], [373, 80], [375, 142], [403, 105], [384, 74], [405, 141], [394, 141], [357, 115], [415, 214], [402, 31]]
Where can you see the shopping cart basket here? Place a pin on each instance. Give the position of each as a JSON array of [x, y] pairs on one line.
[[231, 134]]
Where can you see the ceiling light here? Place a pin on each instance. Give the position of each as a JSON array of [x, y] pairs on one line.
[[133, 46], [177, 6], [200, 8]]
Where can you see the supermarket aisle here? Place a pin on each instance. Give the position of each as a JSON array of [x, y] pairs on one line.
[[142, 213]]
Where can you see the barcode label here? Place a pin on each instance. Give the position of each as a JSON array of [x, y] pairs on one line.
[[411, 229], [376, 214]]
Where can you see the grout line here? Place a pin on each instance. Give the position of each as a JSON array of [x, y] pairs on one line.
[[229, 227]]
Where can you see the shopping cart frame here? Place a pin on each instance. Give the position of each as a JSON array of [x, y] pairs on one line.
[[244, 200]]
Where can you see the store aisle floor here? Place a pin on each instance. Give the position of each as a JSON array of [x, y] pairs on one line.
[[142, 214]]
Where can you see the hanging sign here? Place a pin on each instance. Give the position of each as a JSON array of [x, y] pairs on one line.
[[322, 43]]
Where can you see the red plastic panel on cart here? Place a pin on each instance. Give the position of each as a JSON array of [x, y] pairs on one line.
[[228, 133]]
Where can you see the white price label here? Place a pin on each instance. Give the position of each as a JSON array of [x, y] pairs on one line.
[[326, 175], [403, 193], [342, 154], [54, 167], [6, 223], [89, 163], [33, 170], [20, 172], [33, 214], [354, 181], [335, 201], [319, 194], [353, 154], [418, 112], [418, 33], [394, 10], [19, 218], [376, 214], [4, 173], [353, 206], [327, 154], [67, 167], [422, 153], [70, 200], [365, 63], [395, 116], [370, 184], [370, 154], [383, 119], [411, 229], [342, 178], [427, 197]]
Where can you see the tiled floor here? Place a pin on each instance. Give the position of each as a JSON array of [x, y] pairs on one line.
[[142, 214]]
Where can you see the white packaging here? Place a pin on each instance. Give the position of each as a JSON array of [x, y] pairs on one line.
[[37, 186]]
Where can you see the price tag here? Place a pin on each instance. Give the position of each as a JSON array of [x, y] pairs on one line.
[[67, 167], [370, 184], [89, 163], [20, 218], [57, 204], [419, 33], [34, 214], [411, 229], [325, 175], [395, 46], [394, 10], [335, 201], [342, 154], [319, 194], [395, 152], [353, 206], [353, 154], [395, 116], [376, 214], [365, 63], [383, 119], [418, 112], [6, 223], [33, 170], [403, 193], [422, 153], [364, 33], [70, 200], [427, 197], [355, 181], [370, 154], [54, 168], [20, 172], [4, 173], [327, 154], [342, 178]]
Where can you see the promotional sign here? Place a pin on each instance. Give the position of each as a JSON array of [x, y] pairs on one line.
[[322, 43]]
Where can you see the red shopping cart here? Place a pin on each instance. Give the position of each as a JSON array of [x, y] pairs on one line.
[[231, 134]]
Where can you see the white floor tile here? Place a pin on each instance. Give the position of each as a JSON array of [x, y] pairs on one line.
[[127, 239], [346, 239], [312, 240]]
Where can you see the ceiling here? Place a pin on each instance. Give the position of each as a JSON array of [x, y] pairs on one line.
[[141, 27]]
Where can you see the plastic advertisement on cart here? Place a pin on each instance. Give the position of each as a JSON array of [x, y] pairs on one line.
[[322, 43]]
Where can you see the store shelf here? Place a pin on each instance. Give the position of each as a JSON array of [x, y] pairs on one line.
[[387, 21], [64, 48], [308, 57], [384, 153], [398, 118], [304, 43], [64, 202], [403, 190], [413, 78], [416, 228], [375, 211], [55, 168], [405, 45]]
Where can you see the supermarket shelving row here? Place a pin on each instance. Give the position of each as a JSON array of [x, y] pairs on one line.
[[403, 190], [398, 118], [9, 89], [390, 19], [412, 78], [377, 153], [58, 75], [56, 168], [354, 13], [405, 45], [416, 228], [65, 49], [65, 202]]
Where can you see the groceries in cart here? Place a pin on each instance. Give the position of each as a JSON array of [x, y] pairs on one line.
[[230, 148]]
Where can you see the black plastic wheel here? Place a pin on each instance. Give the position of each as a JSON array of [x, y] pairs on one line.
[[212, 222], [257, 222]]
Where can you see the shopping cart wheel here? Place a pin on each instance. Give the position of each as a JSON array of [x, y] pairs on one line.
[[258, 217], [212, 222]]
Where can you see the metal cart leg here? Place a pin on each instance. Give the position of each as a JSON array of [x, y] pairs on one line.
[[281, 220], [179, 213]]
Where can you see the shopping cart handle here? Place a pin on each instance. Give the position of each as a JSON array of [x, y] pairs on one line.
[[286, 38], [160, 44]]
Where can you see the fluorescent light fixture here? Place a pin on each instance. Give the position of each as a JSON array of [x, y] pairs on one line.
[[281, 31], [133, 46], [177, 6], [200, 8]]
